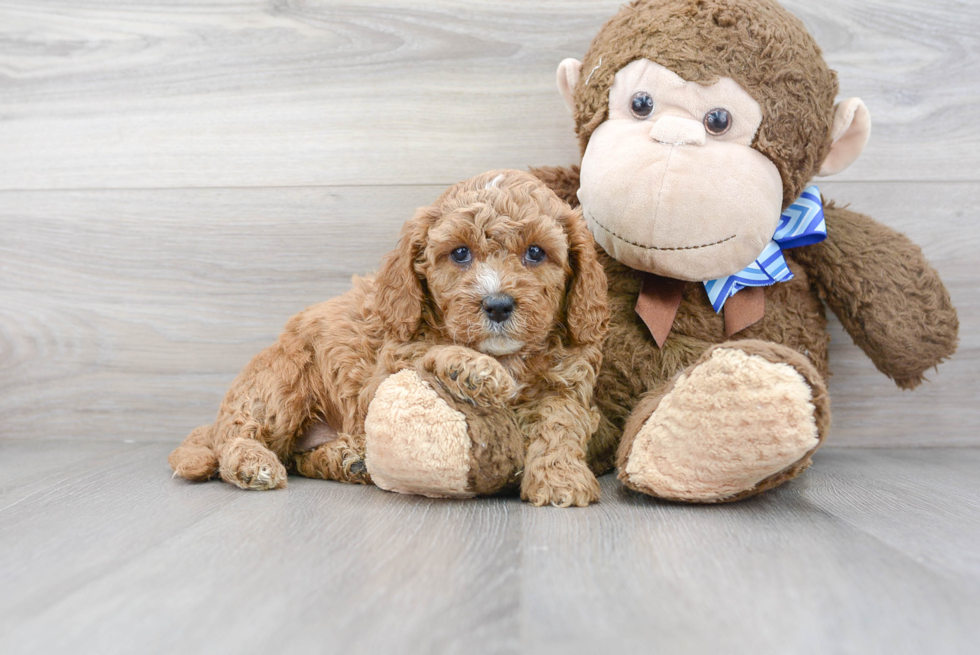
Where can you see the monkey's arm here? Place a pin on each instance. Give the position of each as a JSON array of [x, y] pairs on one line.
[[885, 293], [563, 180]]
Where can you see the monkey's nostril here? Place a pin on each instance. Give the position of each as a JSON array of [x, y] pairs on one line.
[[498, 307]]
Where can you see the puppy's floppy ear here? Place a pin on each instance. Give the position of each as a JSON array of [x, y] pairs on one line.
[[586, 307], [399, 294]]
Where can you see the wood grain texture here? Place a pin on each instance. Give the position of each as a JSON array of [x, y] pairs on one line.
[[127, 313], [128, 303], [871, 551], [112, 94]]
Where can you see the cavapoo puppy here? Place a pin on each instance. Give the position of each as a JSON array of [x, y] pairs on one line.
[[489, 314]]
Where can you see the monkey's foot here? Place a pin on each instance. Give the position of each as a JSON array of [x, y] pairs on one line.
[[247, 464], [420, 440], [746, 417]]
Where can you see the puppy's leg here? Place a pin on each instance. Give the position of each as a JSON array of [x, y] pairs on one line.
[[248, 464], [555, 470], [194, 459], [469, 375], [260, 416], [341, 458]]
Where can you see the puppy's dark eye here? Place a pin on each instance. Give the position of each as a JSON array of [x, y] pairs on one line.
[[718, 121], [641, 105], [461, 255], [535, 255]]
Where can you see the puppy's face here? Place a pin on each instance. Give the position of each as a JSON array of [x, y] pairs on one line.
[[499, 264], [496, 267]]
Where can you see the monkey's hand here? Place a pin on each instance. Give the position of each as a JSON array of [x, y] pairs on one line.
[[470, 375], [885, 293]]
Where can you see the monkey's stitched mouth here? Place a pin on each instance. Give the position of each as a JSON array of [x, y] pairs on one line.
[[640, 245]]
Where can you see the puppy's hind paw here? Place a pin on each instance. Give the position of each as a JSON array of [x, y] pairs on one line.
[[247, 464], [262, 476]]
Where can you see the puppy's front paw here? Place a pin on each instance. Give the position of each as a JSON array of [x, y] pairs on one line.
[[469, 375], [561, 483]]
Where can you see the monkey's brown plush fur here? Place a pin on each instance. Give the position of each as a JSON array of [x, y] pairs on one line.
[[423, 312], [876, 280], [886, 295]]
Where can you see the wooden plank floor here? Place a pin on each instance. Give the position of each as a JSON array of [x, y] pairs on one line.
[[872, 551]]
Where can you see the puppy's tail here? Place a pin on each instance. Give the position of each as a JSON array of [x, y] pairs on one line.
[[194, 459]]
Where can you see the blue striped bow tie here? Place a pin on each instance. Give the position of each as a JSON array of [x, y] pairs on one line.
[[800, 225]]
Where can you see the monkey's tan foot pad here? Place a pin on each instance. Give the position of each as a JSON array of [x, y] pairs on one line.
[[727, 424], [419, 440], [248, 464]]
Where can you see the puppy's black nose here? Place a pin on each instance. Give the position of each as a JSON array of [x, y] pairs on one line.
[[498, 307]]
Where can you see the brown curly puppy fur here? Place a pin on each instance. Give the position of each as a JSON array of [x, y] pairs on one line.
[[424, 310]]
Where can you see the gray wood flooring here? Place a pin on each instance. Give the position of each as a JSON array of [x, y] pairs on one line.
[[871, 551]]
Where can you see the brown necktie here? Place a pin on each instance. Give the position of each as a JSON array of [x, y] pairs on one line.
[[660, 298], [657, 304], [745, 308]]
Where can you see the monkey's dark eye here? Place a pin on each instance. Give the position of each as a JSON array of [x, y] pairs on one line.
[[535, 255], [718, 121], [641, 105], [461, 255]]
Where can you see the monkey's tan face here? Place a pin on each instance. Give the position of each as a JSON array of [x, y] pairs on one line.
[[496, 272], [670, 183]]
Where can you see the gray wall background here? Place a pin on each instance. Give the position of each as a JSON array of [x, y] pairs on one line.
[[179, 177]]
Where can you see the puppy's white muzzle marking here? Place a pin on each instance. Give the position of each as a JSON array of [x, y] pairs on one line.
[[499, 346]]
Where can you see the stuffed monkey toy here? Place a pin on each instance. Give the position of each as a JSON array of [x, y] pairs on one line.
[[701, 125]]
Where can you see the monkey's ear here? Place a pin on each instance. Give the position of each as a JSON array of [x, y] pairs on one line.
[[849, 135], [568, 74]]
